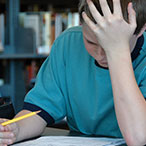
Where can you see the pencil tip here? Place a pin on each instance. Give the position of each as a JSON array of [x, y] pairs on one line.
[[38, 111]]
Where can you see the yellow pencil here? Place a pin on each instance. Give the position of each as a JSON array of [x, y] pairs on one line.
[[19, 118]]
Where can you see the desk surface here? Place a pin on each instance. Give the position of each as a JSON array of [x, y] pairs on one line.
[[50, 131], [55, 132], [61, 132]]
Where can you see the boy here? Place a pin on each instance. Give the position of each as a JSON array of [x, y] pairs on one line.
[[89, 77]]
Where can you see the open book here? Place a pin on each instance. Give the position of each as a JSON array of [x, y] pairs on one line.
[[72, 141]]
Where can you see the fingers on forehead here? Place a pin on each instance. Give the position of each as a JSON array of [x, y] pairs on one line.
[[105, 7], [94, 11], [131, 15], [117, 7], [88, 21]]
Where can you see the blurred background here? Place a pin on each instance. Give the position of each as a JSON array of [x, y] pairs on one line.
[[28, 29]]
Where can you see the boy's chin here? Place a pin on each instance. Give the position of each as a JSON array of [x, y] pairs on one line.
[[103, 64]]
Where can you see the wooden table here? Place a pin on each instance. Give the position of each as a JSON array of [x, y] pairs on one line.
[[55, 132]]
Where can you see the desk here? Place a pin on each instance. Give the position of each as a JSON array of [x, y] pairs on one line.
[[50, 131], [55, 132], [61, 132]]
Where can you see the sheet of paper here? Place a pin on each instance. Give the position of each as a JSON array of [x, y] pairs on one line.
[[71, 141]]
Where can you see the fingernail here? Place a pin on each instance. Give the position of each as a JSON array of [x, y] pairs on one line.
[[83, 13], [130, 4]]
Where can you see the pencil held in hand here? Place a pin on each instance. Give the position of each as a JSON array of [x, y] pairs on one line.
[[20, 118]]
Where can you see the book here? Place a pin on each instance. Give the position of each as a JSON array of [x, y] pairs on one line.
[[58, 24], [52, 28], [45, 34], [75, 19], [32, 21], [2, 32], [30, 72], [70, 17], [1, 46], [72, 141]]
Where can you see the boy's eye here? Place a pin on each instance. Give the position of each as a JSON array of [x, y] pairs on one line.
[[91, 42]]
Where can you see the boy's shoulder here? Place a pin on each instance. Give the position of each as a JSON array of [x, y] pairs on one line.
[[70, 39]]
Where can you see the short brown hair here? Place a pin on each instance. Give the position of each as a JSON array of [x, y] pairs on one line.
[[138, 5]]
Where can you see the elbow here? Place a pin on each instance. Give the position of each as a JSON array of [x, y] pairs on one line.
[[138, 139]]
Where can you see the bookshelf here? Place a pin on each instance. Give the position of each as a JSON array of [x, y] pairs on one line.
[[19, 53]]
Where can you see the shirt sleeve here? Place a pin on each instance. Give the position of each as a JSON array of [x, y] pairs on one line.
[[48, 93], [143, 84], [143, 77]]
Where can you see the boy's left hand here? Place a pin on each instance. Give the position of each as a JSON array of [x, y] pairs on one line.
[[112, 31]]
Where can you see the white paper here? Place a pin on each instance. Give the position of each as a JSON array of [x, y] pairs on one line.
[[72, 141]]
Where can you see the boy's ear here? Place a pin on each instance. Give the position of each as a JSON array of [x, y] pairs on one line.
[[142, 31]]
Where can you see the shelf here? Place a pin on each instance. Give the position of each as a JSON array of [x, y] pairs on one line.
[[17, 60], [58, 2], [22, 56]]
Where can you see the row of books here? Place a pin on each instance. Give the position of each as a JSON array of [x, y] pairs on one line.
[[30, 72], [47, 26]]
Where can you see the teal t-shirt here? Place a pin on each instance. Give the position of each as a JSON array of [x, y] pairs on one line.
[[70, 84]]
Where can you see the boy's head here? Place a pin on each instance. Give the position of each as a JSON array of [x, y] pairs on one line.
[[138, 5]]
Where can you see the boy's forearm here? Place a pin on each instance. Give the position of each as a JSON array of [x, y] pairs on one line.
[[129, 102], [29, 127]]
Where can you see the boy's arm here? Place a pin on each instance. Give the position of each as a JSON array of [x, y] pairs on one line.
[[114, 33], [24, 129], [130, 104], [30, 127]]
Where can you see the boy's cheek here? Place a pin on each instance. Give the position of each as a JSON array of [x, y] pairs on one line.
[[90, 49]]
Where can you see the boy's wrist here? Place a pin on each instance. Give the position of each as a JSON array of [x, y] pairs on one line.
[[118, 57], [118, 51], [17, 133]]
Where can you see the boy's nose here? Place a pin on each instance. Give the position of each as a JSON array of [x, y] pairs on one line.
[[101, 52]]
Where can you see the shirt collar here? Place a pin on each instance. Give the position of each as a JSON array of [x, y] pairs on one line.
[[137, 48]]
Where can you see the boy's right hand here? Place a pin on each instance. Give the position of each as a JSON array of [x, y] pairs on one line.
[[8, 133]]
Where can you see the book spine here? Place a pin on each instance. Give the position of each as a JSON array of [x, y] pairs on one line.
[[2, 33]]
